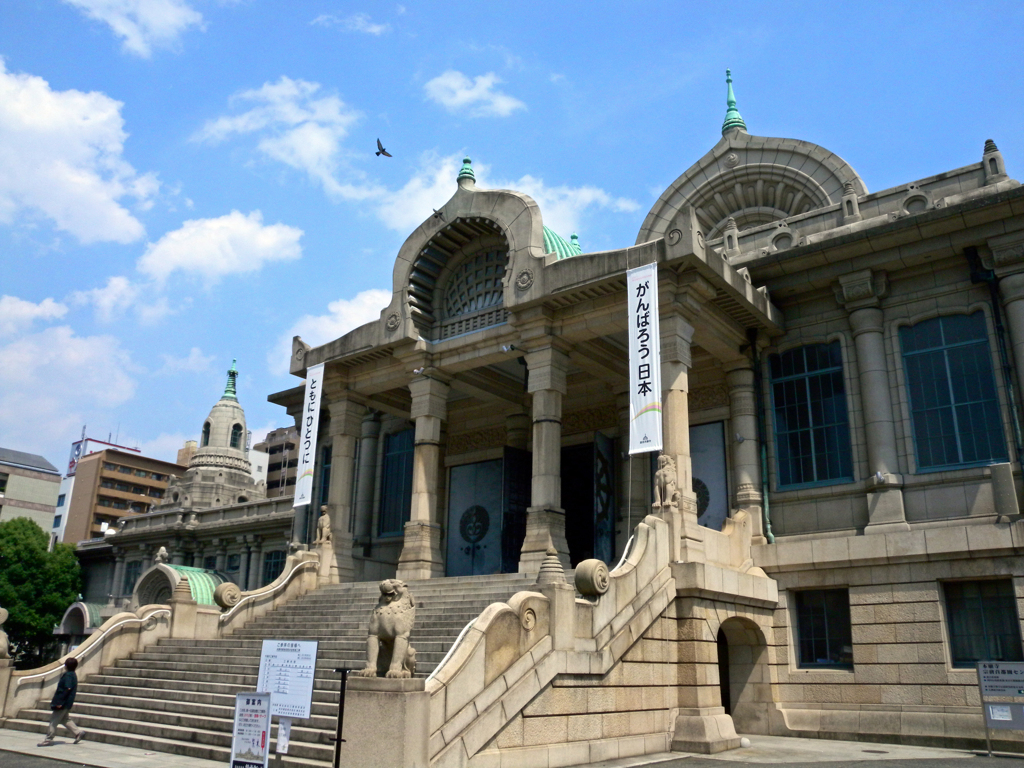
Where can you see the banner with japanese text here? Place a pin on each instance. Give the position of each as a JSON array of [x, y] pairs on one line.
[[307, 435], [644, 360]]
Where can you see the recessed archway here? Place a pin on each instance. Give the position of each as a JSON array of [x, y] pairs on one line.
[[744, 676]]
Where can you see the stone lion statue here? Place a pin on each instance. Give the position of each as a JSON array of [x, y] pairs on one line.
[[323, 527], [666, 490], [388, 653]]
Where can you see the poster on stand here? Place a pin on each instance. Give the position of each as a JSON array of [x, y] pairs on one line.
[[250, 737], [287, 669]]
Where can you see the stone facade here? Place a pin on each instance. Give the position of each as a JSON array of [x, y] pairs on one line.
[[842, 372]]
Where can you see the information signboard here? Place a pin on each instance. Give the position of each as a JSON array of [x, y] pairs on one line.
[[1001, 678], [287, 670], [250, 739]]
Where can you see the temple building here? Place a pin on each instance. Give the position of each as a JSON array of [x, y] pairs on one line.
[[214, 518], [828, 542]]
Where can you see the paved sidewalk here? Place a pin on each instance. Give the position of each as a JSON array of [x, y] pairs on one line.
[[93, 753], [782, 750], [764, 750]]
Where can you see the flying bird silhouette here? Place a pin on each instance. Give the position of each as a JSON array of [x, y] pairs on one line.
[[381, 150], [438, 214]]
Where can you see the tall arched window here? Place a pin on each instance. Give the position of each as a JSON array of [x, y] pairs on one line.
[[236, 436], [206, 434]]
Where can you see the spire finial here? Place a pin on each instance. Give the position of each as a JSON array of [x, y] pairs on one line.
[[732, 115], [467, 169], [229, 388]]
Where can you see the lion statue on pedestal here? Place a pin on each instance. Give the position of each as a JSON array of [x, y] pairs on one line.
[[388, 653]]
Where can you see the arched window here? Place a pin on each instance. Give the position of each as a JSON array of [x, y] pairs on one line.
[[475, 284], [236, 436], [206, 434]]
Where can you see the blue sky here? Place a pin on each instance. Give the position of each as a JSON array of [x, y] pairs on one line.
[[183, 182]]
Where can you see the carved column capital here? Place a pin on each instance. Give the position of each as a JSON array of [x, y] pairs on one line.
[[429, 396], [346, 416], [548, 366], [861, 289], [1007, 253]]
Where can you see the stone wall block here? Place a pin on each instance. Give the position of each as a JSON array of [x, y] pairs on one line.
[[511, 736], [520, 694], [467, 684], [570, 753]]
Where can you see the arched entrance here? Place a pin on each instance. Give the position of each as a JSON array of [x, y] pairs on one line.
[[743, 674]]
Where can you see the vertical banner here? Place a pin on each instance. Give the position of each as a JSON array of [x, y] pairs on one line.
[[307, 435], [250, 739], [644, 360]]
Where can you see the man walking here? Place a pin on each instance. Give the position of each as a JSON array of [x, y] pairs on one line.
[[61, 705]]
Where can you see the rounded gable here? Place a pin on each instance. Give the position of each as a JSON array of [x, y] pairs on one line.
[[754, 180]]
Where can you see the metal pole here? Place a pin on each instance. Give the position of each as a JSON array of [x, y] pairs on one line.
[[341, 718]]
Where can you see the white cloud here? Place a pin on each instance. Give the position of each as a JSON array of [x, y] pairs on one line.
[[430, 187], [61, 156], [53, 381], [342, 316], [563, 207], [213, 248], [110, 301], [477, 97], [165, 446], [194, 362], [17, 314], [359, 22], [300, 128], [142, 24]]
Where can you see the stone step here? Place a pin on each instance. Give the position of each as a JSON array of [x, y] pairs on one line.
[[213, 719], [207, 704], [162, 690], [178, 695]]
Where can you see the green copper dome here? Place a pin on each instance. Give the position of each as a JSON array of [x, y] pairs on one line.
[[732, 115], [558, 245], [201, 582], [467, 170]]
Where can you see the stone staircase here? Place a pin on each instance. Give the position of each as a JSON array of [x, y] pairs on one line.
[[178, 695]]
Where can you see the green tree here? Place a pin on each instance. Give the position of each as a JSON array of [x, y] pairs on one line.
[[36, 586]]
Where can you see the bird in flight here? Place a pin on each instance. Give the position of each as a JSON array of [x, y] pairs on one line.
[[381, 150], [438, 214]]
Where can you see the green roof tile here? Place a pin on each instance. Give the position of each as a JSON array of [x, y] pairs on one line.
[[558, 245], [202, 582]]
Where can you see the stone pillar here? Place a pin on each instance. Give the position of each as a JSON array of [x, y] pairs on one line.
[[421, 554], [634, 482], [178, 553], [243, 567], [117, 581], [222, 555], [545, 518], [1011, 291], [517, 431], [147, 557], [746, 453], [676, 335], [366, 478], [860, 293], [255, 563], [344, 430]]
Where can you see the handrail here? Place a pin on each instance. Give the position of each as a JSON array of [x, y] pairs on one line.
[[625, 554], [87, 651], [451, 650], [270, 589]]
